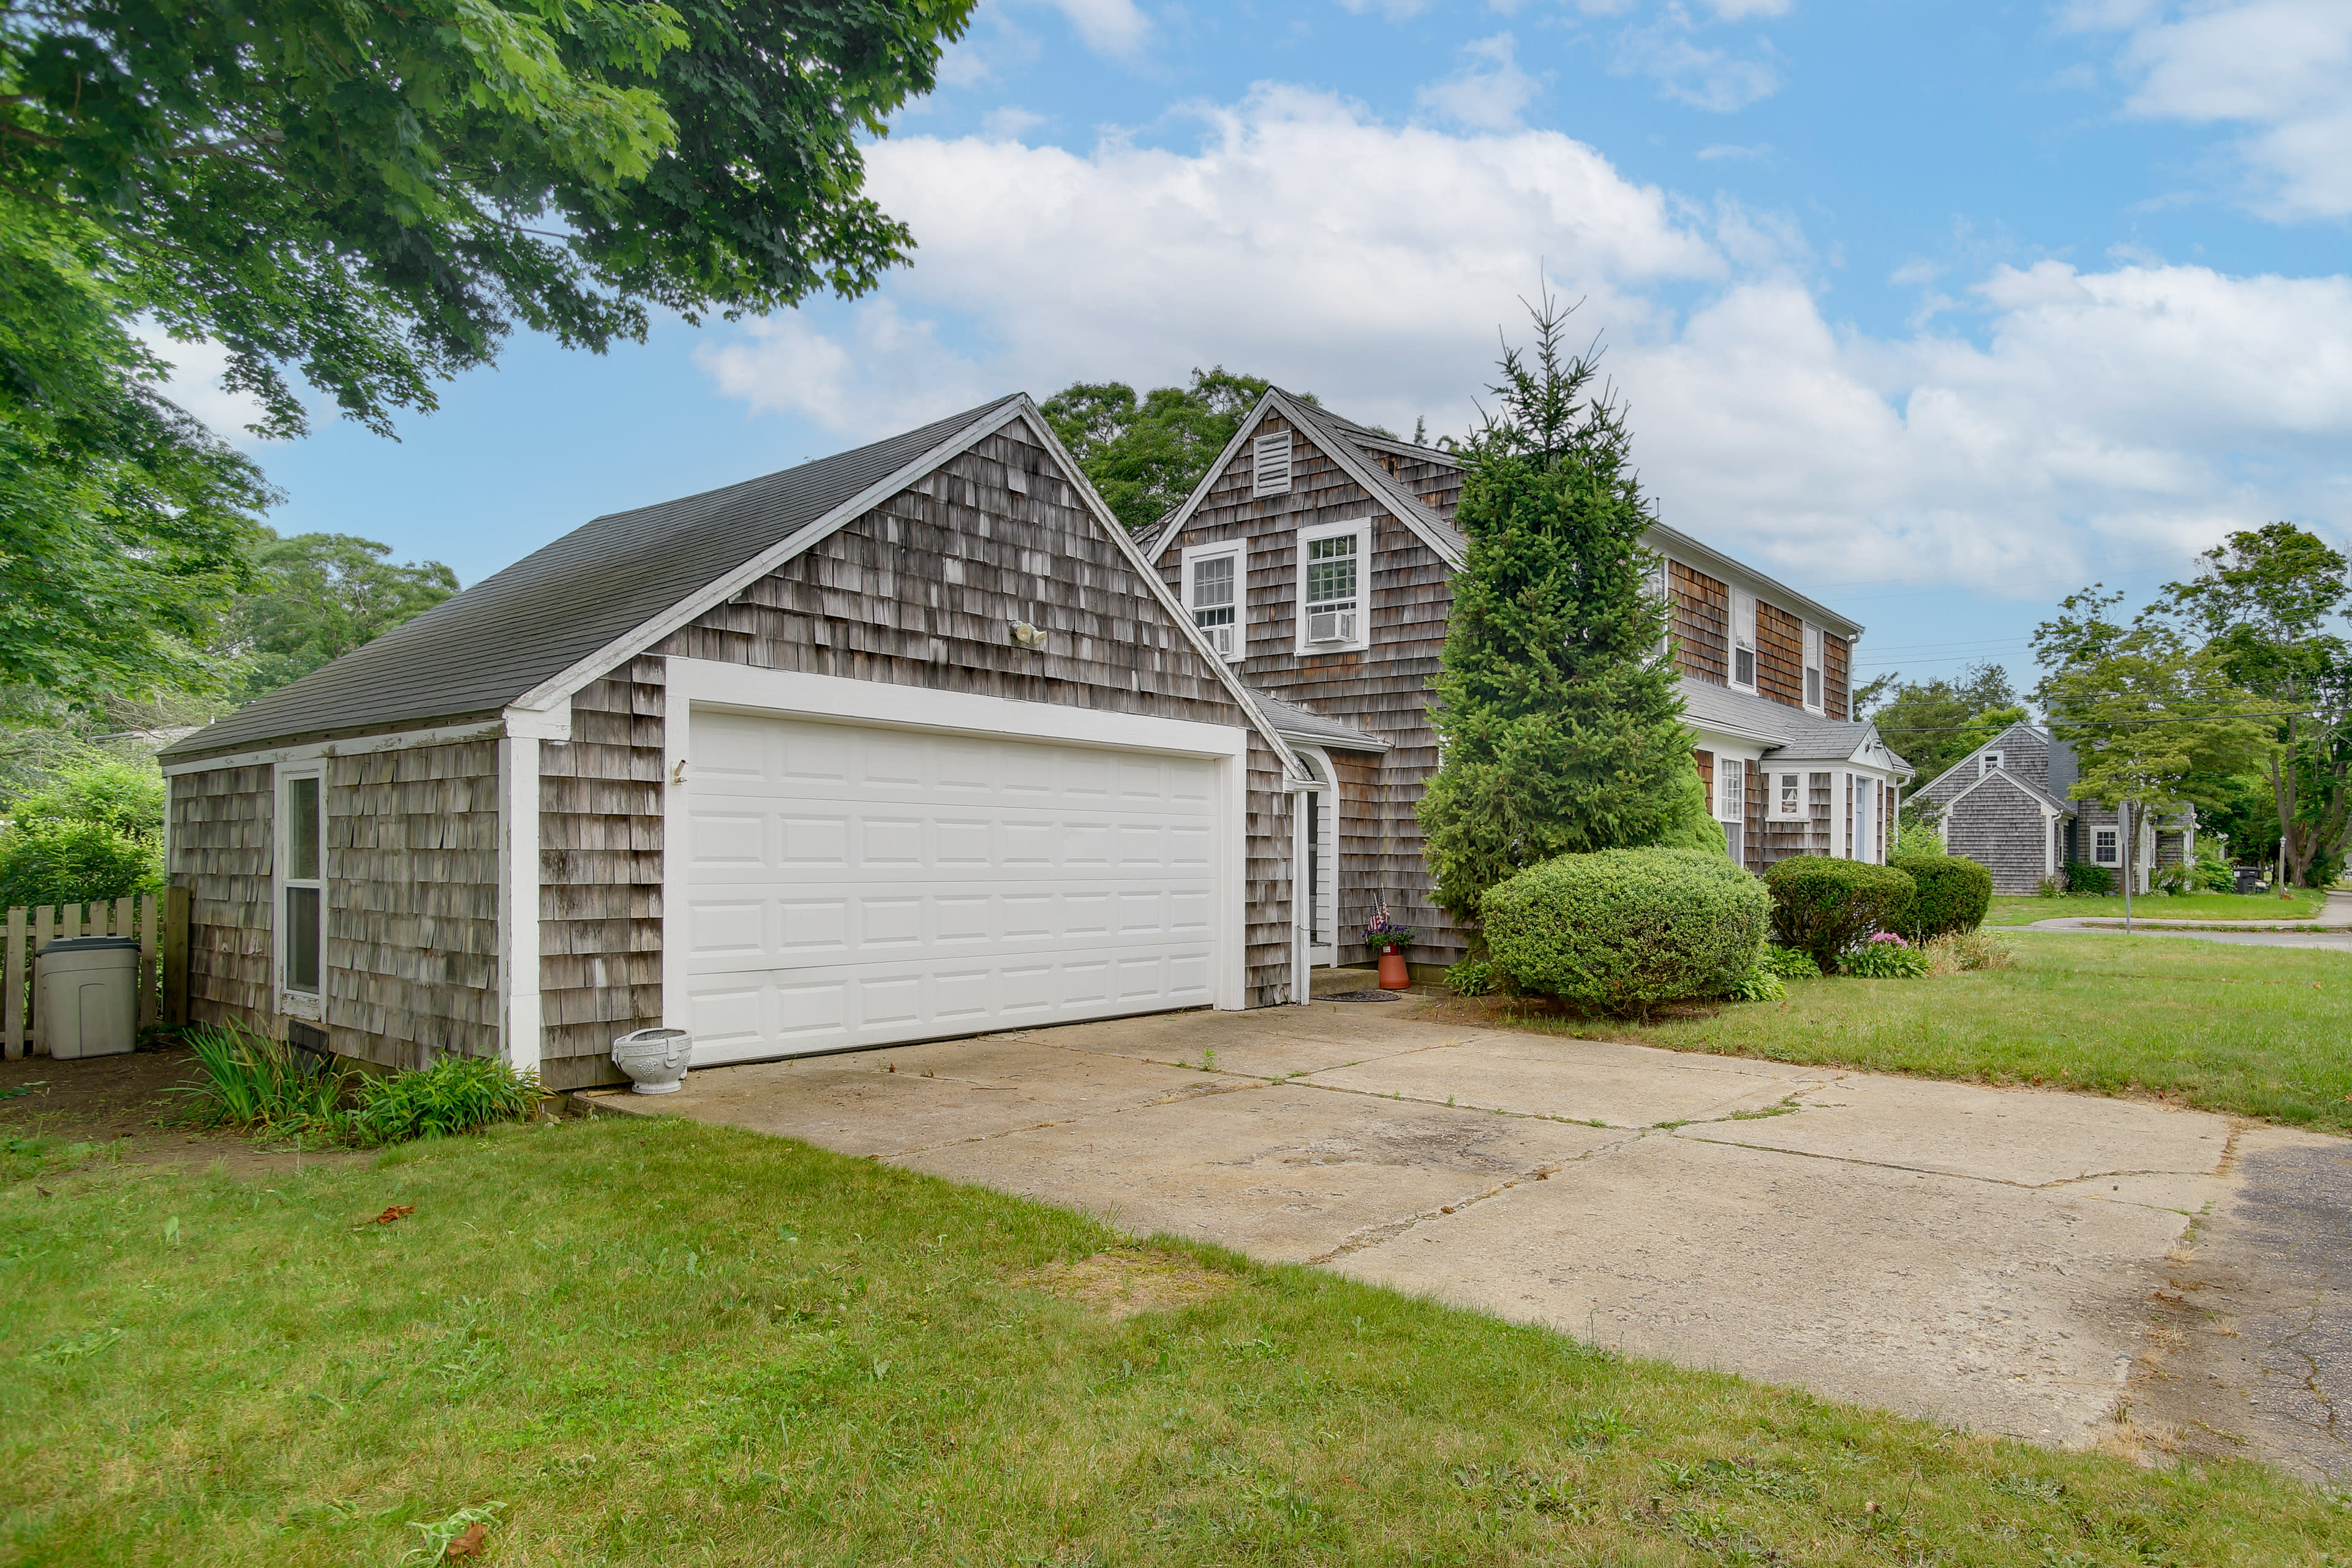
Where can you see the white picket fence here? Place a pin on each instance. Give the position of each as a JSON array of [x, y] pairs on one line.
[[28, 930]]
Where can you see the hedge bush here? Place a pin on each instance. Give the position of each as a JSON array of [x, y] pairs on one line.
[[1823, 907], [1954, 892], [2082, 877], [1623, 930]]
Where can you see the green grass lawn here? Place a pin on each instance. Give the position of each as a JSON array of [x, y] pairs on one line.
[[2255, 1030], [652, 1343], [2300, 904]]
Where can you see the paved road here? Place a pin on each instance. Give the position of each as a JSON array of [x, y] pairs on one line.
[[1992, 1258], [2337, 911]]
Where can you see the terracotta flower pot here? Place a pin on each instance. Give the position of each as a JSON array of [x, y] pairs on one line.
[[1394, 976]]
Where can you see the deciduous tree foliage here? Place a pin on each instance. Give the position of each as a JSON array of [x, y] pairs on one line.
[[1559, 727], [316, 596], [377, 193], [1145, 455], [2270, 603], [1935, 723], [124, 523]]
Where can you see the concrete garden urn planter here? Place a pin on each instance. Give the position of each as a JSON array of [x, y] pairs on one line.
[[654, 1059]]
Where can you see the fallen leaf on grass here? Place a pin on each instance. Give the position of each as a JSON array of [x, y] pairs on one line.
[[397, 1211], [471, 1544]]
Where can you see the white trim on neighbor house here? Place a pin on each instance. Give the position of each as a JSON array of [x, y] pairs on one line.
[[1743, 640], [1815, 670], [706, 684], [1325, 891], [1272, 463], [1237, 551], [1355, 619]]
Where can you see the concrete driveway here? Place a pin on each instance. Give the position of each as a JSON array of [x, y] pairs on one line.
[[1995, 1260]]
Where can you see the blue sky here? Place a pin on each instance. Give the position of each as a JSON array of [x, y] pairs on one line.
[[1936, 310]]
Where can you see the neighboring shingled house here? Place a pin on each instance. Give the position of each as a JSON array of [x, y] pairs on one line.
[[2006, 805], [907, 742], [1317, 555]]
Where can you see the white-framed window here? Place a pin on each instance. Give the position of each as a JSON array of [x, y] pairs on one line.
[[1813, 692], [1215, 587], [1334, 569], [301, 913], [1743, 639], [1990, 762], [1730, 788], [1792, 794], [1270, 463], [2105, 847]]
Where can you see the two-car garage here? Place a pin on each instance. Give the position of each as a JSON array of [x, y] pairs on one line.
[[860, 865]]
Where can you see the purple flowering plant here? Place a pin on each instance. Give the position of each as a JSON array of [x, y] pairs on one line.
[[1385, 934]]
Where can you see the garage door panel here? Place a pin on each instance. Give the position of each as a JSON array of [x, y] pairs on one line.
[[850, 886]]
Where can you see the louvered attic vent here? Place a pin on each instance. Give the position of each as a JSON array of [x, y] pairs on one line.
[[1270, 465]]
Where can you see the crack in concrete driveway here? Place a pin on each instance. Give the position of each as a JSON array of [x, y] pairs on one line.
[[2006, 1260]]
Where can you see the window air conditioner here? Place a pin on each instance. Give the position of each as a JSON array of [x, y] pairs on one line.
[[1332, 626]]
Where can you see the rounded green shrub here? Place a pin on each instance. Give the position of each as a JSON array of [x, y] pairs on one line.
[[1789, 962], [1470, 977], [1822, 906], [1953, 893], [2082, 877], [1623, 930]]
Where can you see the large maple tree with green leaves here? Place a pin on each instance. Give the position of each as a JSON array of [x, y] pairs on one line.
[[369, 198]]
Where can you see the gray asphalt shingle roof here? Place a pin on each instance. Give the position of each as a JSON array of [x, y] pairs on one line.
[[475, 653], [1295, 722], [1791, 732]]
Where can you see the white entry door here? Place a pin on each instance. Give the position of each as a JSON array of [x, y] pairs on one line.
[[849, 885]]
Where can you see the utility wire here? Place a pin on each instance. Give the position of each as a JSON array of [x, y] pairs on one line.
[[2098, 724]]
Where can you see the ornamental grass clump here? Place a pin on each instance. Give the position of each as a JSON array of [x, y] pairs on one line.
[[1825, 907], [259, 1084], [456, 1094], [1953, 892], [1621, 931]]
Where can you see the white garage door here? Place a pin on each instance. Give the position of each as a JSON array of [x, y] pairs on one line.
[[851, 886]]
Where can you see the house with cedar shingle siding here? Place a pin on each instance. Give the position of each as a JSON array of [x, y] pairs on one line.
[[1317, 556], [2008, 805]]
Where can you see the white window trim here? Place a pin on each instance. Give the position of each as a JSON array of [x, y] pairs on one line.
[[1239, 551], [2115, 843], [1728, 764], [1991, 762], [307, 1006], [1362, 529], [1262, 444], [1743, 612], [1783, 806], [1813, 658]]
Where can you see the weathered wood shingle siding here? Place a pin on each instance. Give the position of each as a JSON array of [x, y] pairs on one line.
[[1836, 676], [411, 966], [922, 590], [1406, 595], [221, 852], [1780, 655], [2004, 830], [1702, 623], [599, 900]]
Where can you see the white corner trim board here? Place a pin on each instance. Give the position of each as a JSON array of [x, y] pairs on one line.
[[518, 863], [710, 702]]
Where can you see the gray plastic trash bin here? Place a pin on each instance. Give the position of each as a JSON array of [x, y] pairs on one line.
[[86, 995]]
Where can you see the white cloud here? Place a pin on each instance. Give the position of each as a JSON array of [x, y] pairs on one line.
[[1710, 78], [1114, 27], [1488, 92], [1405, 10], [2146, 403], [2280, 68], [195, 385], [1009, 122], [1726, 150]]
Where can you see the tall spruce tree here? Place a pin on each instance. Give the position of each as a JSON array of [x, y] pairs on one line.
[[1559, 724]]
